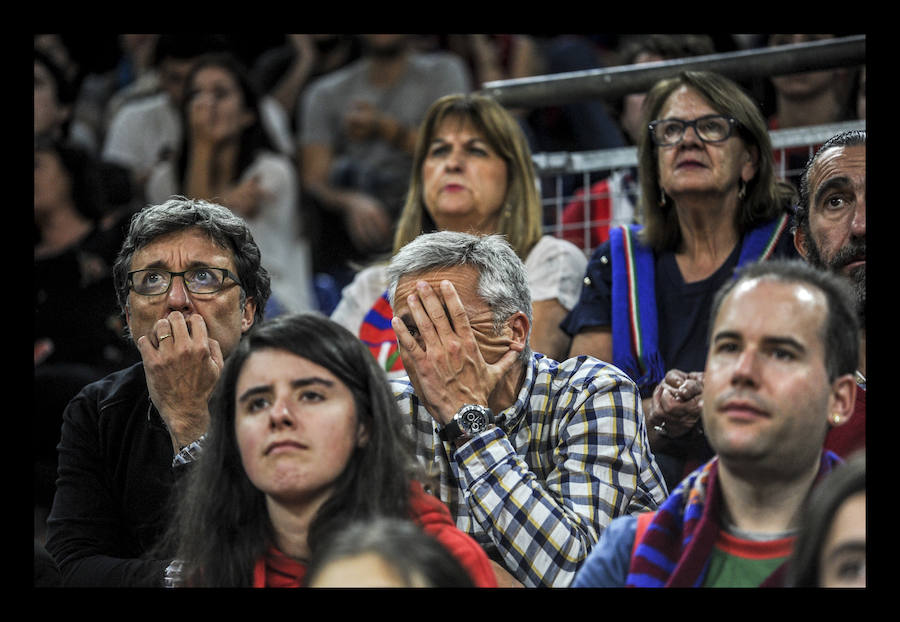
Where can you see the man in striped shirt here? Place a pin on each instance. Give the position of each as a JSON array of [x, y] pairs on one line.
[[534, 457]]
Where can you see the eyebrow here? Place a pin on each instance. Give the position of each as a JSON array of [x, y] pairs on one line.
[[159, 263], [841, 181], [768, 341], [295, 384]]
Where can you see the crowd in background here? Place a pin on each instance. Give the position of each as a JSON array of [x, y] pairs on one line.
[[313, 141]]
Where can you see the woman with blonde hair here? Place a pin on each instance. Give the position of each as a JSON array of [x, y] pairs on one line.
[[472, 172]]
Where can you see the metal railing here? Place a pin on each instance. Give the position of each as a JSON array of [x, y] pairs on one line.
[[613, 82], [551, 168]]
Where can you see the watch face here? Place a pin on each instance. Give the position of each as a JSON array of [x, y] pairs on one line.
[[473, 421]]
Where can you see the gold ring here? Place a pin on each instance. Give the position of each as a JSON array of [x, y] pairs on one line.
[[163, 337]]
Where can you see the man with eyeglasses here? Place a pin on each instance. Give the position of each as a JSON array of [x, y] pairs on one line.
[[190, 284]]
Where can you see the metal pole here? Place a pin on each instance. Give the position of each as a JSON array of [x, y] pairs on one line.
[[561, 88]]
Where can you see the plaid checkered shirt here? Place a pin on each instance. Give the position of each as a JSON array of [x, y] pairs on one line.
[[567, 457]]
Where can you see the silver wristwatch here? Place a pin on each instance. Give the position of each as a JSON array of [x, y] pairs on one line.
[[468, 421]]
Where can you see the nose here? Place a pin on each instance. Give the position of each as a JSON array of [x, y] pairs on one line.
[[281, 416], [179, 298], [690, 136], [454, 161], [745, 371], [858, 224]]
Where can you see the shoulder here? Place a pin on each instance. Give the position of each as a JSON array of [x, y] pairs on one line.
[[125, 386], [608, 563], [337, 79], [552, 246], [586, 378]]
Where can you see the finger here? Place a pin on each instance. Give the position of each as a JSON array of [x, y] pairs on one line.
[[179, 326], [196, 326], [404, 338], [215, 352], [458, 316], [434, 306], [162, 330], [422, 319]]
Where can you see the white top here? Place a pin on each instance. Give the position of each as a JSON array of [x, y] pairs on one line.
[[276, 227]]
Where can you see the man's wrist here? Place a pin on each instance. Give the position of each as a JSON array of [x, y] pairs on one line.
[[190, 452]]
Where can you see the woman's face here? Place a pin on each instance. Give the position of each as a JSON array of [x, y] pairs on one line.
[[693, 167], [464, 179], [296, 426], [843, 557], [216, 108]]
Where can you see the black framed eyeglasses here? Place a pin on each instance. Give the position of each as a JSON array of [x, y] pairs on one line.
[[712, 128], [204, 280]]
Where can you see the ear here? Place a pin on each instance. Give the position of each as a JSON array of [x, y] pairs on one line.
[[520, 328], [362, 435], [842, 400], [800, 242], [751, 163], [248, 314]]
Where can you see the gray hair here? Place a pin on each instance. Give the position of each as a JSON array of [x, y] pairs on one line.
[[502, 278], [223, 227]]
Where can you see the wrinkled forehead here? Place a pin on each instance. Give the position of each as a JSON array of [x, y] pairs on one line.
[[182, 249], [838, 161]]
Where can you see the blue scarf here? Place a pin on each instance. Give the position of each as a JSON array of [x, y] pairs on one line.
[[634, 320]]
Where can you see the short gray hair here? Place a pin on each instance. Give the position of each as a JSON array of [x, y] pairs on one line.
[[502, 277], [223, 227]]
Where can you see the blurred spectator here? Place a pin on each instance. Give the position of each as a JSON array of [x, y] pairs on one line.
[[805, 99], [226, 155], [612, 201], [78, 332], [385, 553], [145, 131], [53, 99], [831, 546], [285, 71], [358, 128]]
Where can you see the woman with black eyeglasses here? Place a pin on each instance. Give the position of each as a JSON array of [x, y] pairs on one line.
[[710, 201]]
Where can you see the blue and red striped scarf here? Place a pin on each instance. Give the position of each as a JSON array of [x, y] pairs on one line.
[[676, 546], [634, 319]]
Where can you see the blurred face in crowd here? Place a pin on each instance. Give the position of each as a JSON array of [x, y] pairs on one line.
[[694, 167], [800, 86], [767, 398], [632, 114], [464, 179], [296, 426], [216, 100]]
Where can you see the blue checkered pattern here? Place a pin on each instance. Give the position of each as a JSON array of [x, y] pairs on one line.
[[564, 460]]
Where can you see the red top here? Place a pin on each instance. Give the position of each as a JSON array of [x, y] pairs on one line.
[[275, 569]]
